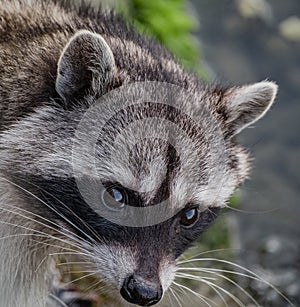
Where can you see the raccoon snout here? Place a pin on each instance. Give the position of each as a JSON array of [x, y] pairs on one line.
[[141, 293]]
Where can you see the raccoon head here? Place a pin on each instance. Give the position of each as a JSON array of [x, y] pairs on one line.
[[138, 147]]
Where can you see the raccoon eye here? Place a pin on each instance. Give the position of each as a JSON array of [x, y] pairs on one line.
[[117, 195], [113, 196], [189, 217]]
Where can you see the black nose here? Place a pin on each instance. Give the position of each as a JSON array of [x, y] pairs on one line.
[[140, 292]]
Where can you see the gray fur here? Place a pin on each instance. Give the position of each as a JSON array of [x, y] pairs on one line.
[[54, 64]]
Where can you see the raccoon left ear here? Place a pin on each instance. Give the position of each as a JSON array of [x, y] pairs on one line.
[[86, 63], [247, 104]]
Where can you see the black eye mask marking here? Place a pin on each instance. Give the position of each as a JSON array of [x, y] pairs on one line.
[[63, 196]]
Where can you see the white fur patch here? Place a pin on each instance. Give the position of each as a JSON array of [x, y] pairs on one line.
[[114, 263]]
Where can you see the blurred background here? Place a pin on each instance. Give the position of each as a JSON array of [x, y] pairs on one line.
[[241, 42], [237, 42]]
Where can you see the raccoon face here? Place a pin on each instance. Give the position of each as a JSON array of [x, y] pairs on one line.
[[194, 170], [124, 145]]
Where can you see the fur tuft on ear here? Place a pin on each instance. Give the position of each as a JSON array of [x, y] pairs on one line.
[[247, 104], [86, 62]]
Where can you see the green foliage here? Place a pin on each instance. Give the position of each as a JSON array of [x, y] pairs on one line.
[[169, 22], [217, 236]]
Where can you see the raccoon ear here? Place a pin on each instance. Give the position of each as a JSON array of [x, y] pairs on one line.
[[247, 104], [86, 63]]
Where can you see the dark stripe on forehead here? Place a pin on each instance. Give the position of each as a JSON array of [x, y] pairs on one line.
[[161, 194], [173, 165]]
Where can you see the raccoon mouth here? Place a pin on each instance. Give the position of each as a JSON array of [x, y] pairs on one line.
[[141, 293]]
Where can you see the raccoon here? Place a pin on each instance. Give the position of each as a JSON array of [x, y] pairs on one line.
[[95, 116]]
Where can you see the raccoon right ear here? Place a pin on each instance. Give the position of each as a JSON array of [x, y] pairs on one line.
[[86, 64], [246, 104]]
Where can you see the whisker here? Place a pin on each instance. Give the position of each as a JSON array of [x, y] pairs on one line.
[[70, 234], [252, 211], [195, 277], [198, 295], [80, 278], [241, 268], [170, 297], [53, 209], [74, 263], [77, 253], [186, 274], [175, 296], [225, 291], [94, 285], [220, 270], [201, 297], [58, 300], [41, 263], [42, 234], [179, 289], [80, 272], [218, 293], [44, 225], [208, 252]]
